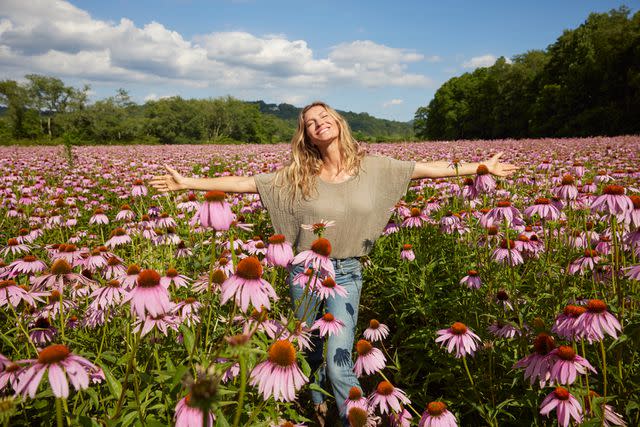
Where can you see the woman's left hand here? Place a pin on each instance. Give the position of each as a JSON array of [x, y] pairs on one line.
[[500, 169]]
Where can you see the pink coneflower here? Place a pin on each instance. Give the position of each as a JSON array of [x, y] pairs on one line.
[[567, 189], [452, 223], [14, 247], [125, 214], [247, 286], [387, 397], [114, 268], [319, 227], [255, 247], [401, 419], [407, 253], [355, 399], [279, 251], [130, 278], [41, 331], [437, 415], [544, 209], [538, 364], [328, 288], [502, 329], [597, 321], [633, 272], [328, 325], [359, 417], [584, 263], [110, 295], [59, 278], [279, 376], [58, 360], [507, 253], [190, 416], [119, 237], [459, 338], [215, 212], [529, 246], [301, 335], [161, 321], [566, 364], [376, 331], [565, 404], [472, 280], [182, 251], [165, 221], [504, 212], [95, 261], [483, 181], [633, 216], [370, 359], [10, 374], [565, 324], [11, 293], [27, 265], [149, 296], [172, 277], [613, 201], [187, 310], [469, 191], [189, 204], [138, 188], [390, 228], [317, 257], [502, 299], [98, 217], [415, 219], [610, 416]]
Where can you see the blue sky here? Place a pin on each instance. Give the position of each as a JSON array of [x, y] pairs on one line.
[[386, 58]]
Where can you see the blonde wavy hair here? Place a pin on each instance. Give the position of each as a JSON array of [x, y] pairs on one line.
[[299, 176]]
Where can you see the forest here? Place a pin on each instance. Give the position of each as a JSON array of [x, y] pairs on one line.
[[586, 83]]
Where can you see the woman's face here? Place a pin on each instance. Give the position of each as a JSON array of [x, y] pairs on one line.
[[320, 126]]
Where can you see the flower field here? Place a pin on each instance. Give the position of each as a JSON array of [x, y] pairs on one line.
[[510, 302]]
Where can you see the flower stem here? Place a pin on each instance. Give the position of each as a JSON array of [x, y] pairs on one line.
[[604, 371], [466, 368], [59, 421], [243, 386]]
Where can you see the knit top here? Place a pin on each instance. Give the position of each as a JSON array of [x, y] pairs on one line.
[[360, 206]]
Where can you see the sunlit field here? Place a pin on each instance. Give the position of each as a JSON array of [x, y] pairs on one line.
[[510, 302]]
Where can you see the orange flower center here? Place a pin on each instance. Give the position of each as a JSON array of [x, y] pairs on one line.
[[114, 283], [503, 204], [596, 306], [282, 353], [636, 201], [363, 347], [29, 258], [7, 283], [321, 246], [406, 247], [374, 324], [329, 283], [507, 244], [436, 408], [287, 424], [53, 354], [568, 180], [113, 261], [472, 273], [590, 253], [249, 268], [148, 279], [523, 238], [357, 417], [277, 239], [218, 277], [385, 388], [119, 232], [172, 272], [561, 393], [214, 196], [60, 266], [12, 241], [566, 352], [415, 212], [458, 328], [482, 170], [574, 310], [492, 230], [616, 190], [502, 295], [328, 317], [355, 393], [543, 343], [133, 269]]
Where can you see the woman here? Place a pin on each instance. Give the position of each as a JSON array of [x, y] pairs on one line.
[[329, 179]]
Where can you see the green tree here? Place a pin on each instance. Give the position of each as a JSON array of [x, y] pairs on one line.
[[22, 121]]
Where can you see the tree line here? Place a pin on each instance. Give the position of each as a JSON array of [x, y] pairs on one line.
[[586, 83], [44, 109]]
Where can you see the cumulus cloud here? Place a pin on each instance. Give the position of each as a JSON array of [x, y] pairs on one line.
[[392, 102], [58, 38], [481, 61]]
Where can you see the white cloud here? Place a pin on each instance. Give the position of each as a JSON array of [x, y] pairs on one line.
[[392, 102], [482, 61], [58, 38]]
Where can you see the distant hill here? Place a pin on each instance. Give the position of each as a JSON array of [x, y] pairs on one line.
[[363, 125]]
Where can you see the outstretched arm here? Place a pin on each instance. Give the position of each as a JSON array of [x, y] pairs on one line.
[[443, 169], [229, 184]]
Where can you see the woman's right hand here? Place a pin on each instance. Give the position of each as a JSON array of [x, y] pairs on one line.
[[171, 182]]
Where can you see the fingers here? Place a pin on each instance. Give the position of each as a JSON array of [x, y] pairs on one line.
[[174, 173]]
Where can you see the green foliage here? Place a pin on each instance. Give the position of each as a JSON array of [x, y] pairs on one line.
[[586, 83]]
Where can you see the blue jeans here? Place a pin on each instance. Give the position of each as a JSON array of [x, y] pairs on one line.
[[338, 367]]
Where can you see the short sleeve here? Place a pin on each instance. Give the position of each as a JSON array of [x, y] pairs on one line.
[[393, 179], [281, 215]]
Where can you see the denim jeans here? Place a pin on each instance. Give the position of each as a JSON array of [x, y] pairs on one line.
[[338, 366]]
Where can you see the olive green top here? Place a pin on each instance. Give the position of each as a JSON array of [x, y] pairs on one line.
[[360, 206]]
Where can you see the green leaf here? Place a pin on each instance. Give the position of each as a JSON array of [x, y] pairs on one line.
[[316, 387], [114, 385], [188, 338]]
